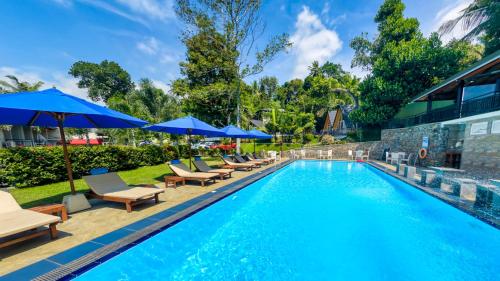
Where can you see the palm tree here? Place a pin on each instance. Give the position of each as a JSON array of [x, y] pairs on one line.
[[481, 19], [18, 86]]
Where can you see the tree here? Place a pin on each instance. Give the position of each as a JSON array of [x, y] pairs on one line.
[[268, 85], [17, 86], [148, 103], [103, 81], [402, 61], [239, 23], [480, 19], [14, 85]]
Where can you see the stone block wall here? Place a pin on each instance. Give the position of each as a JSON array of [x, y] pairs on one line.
[[409, 140], [340, 151], [481, 153]]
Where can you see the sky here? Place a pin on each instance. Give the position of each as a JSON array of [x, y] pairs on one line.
[[41, 39]]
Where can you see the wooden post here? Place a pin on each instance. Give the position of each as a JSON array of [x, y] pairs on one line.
[[60, 120]]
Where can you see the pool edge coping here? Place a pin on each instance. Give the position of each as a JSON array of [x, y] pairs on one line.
[[173, 215], [462, 205]]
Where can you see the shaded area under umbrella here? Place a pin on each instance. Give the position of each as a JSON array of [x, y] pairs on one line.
[[53, 108], [186, 126], [256, 134]]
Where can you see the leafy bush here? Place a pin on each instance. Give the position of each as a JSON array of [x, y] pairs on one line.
[[22, 167], [327, 139]]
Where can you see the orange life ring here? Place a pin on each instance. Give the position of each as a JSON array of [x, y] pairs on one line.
[[422, 153]]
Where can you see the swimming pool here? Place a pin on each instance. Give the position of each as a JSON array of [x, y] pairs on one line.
[[317, 220]]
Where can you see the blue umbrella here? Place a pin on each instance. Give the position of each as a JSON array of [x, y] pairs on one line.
[[235, 132], [186, 126], [53, 108], [256, 134]]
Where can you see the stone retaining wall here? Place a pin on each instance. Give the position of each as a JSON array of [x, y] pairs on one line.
[[481, 153], [340, 151]]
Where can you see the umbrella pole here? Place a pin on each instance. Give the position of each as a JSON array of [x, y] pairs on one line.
[[189, 145], [253, 146], [60, 119]]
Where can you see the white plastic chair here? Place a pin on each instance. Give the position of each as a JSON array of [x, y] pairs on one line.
[[359, 154], [320, 154], [349, 153], [388, 157], [302, 153], [365, 156], [329, 154]]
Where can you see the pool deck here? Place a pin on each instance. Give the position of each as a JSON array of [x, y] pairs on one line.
[[106, 222]]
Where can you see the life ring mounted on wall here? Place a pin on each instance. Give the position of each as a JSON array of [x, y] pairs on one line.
[[422, 153]]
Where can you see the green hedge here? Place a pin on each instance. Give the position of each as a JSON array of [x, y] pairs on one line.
[[22, 167]]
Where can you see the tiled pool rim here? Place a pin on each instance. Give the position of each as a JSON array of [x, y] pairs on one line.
[[462, 205], [72, 262]]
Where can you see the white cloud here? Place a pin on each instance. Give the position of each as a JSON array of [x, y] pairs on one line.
[[149, 46], [161, 85], [154, 47], [61, 81], [326, 8], [114, 10], [64, 3], [312, 41], [167, 58], [157, 9], [450, 12]]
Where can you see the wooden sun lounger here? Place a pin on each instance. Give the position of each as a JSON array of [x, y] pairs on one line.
[[197, 176], [203, 167], [271, 160], [17, 224], [240, 159], [263, 161], [110, 187], [233, 165]]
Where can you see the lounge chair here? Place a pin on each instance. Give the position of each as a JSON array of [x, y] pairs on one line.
[[240, 159], [249, 158], [110, 187], [271, 160], [183, 171], [266, 161], [17, 224], [203, 167], [237, 166]]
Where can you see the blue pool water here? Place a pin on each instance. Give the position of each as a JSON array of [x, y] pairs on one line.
[[317, 220]]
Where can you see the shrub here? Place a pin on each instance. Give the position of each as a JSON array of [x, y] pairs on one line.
[[327, 139], [22, 167]]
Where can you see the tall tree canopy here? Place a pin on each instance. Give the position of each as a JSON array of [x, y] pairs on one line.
[[221, 35], [402, 62], [103, 81], [481, 19]]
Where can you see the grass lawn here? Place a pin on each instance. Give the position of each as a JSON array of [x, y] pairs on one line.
[[53, 193]]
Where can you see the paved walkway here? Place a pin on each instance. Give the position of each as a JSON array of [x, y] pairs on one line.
[[104, 217]]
